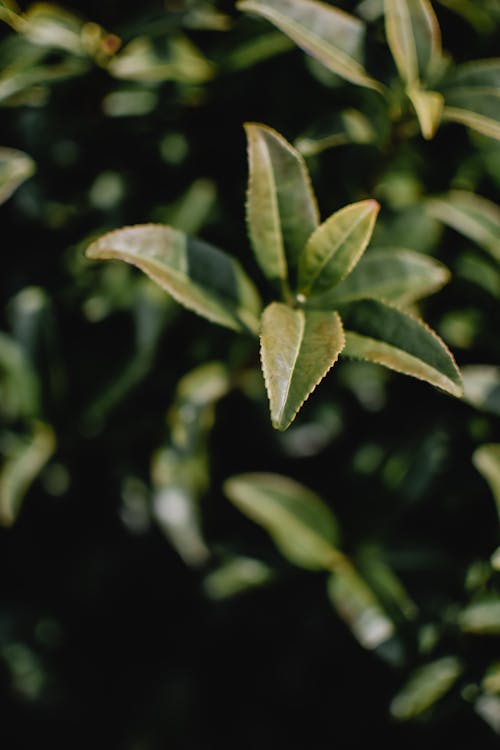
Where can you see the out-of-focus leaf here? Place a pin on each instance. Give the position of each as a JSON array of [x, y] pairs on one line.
[[358, 606], [484, 272], [472, 215], [486, 459], [479, 16], [350, 126], [193, 209], [482, 387], [15, 168], [336, 246], [384, 581], [181, 61], [429, 108], [472, 96], [10, 13], [332, 36], [481, 617], [281, 207], [426, 686], [491, 680], [235, 576], [196, 274], [488, 708], [21, 467], [298, 347], [257, 50], [19, 386], [383, 334], [414, 38], [395, 275], [52, 26], [301, 525]]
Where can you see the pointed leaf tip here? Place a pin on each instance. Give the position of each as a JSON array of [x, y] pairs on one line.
[[196, 274], [298, 348]]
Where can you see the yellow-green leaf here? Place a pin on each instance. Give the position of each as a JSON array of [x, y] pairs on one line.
[[196, 274], [301, 525], [281, 207], [298, 347], [414, 38], [425, 687], [472, 96], [15, 168], [395, 275], [429, 108], [358, 606], [332, 36], [486, 459], [472, 215], [336, 246], [383, 334]]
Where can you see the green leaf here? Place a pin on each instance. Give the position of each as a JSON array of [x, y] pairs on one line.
[[414, 38], [395, 275], [481, 617], [486, 459], [298, 347], [179, 60], [235, 576], [332, 36], [425, 687], [348, 126], [21, 467], [15, 168], [482, 387], [472, 215], [358, 606], [429, 108], [281, 207], [336, 246], [301, 525], [383, 334], [472, 96], [196, 274]]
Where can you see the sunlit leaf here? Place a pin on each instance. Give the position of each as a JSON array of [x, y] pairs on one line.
[[15, 168], [472, 215], [395, 275], [429, 108], [472, 96], [414, 38], [332, 36], [301, 525], [358, 606], [281, 207], [180, 61], [196, 274], [482, 387], [21, 467], [425, 687], [383, 334], [481, 617], [336, 246], [52, 26], [298, 347], [486, 459]]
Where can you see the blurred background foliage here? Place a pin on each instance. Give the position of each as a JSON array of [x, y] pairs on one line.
[[140, 609]]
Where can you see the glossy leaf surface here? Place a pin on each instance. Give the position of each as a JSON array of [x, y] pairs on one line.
[[383, 334], [332, 36], [472, 96], [472, 215], [395, 275], [281, 207], [298, 347], [414, 37], [196, 274], [301, 525], [358, 606], [336, 246]]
